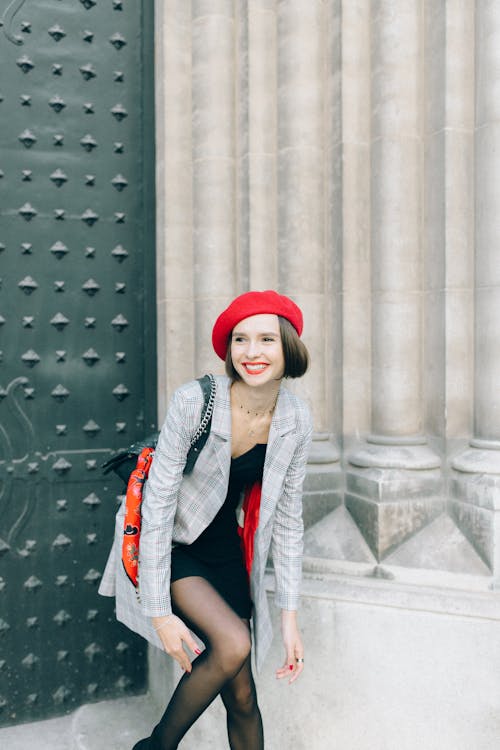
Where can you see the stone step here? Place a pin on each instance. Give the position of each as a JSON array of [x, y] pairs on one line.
[[437, 555], [51, 734], [107, 725], [114, 724]]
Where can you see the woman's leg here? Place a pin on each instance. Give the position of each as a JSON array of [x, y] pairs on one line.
[[227, 642], [244, 722]]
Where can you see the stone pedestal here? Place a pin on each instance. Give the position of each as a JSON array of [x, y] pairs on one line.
[[324, 483], [393, 489], [475, 500]]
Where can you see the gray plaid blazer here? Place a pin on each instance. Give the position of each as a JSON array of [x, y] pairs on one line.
[[177, 508]]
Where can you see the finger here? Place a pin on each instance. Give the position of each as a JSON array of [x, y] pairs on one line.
[[299, 664], [286, 670], [292, 671], [291, 664], [188, 639], [183, 660], [177, 652], [282, 674], [299, 668], [192, 645]]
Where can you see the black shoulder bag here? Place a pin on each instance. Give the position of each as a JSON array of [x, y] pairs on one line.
[[124, 463]]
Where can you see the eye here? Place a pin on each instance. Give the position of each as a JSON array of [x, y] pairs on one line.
[[238, 339]]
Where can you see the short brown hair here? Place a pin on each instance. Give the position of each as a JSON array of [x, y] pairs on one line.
[[295, 353]]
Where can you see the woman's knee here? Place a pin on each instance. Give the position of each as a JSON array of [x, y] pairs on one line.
[[234, 650]]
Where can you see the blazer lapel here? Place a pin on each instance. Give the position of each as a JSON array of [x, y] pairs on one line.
[[221, 425], [280, 449]]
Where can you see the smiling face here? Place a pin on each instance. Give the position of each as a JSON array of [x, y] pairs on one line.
[[256, 349]]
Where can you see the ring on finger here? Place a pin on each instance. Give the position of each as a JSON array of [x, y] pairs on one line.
[[300, 660]]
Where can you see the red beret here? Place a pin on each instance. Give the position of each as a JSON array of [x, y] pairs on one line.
[[253, 303]]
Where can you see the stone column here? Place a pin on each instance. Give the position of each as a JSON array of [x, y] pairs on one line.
[[257, 144], [174, 180], [348, 309], [448, 226], [476, 480], [196, 185], [307, 121], [301, 177], [394, 489], [354, 220], [214, 164]]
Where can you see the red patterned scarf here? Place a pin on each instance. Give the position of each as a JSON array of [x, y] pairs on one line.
[[251, 508], [132, 521]]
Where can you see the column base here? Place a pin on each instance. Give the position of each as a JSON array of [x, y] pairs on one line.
[[395, 453], [323, 485], [481, 457], [475, 500], [393, 490]]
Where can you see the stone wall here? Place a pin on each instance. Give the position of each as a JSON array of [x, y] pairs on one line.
[[346, 153]]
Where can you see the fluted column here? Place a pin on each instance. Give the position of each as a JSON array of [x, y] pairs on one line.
[[257, 140], [174, 180], [487, 231], [396, 220], [487, 267], [448, 226], [395, 464], [196, 185], [476, 482], [301, 178], [214, 157], [352, 223]]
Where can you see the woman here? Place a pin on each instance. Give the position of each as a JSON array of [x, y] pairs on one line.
[[193, 573]]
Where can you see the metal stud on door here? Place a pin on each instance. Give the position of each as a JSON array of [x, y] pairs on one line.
[[77, 337]]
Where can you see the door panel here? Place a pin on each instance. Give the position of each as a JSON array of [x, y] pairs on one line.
[[77, 337]]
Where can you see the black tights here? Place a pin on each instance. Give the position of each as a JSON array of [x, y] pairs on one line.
[[223, 668]]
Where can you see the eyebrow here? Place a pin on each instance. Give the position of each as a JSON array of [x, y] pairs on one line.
[[262, 333]]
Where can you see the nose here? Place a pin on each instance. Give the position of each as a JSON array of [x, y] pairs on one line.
[[253, 348]]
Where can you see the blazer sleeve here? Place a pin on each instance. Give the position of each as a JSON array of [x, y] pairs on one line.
[[160, 503], [288, 527]]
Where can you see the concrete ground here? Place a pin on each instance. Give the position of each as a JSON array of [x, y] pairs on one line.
[[389, 666], [98, 726]]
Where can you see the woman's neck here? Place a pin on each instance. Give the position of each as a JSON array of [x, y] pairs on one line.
[[257, 399]]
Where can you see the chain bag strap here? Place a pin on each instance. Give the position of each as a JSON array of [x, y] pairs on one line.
[[209, 388], [139, 474]]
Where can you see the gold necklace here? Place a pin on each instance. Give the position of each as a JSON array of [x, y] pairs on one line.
[[264, 412], [258, 413], [252, 415]]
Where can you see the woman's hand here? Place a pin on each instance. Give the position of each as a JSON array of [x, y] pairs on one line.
[[294, 661], [173, 633]]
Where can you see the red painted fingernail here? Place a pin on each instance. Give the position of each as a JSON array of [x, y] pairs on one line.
[[197, 651], [290, 667]]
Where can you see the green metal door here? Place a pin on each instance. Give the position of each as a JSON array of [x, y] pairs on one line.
[[77, 363]]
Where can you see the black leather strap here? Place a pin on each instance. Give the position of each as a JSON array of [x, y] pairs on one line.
[[124, 463], [208, 387]]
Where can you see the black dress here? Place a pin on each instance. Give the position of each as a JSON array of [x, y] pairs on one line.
[[216, 554]]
